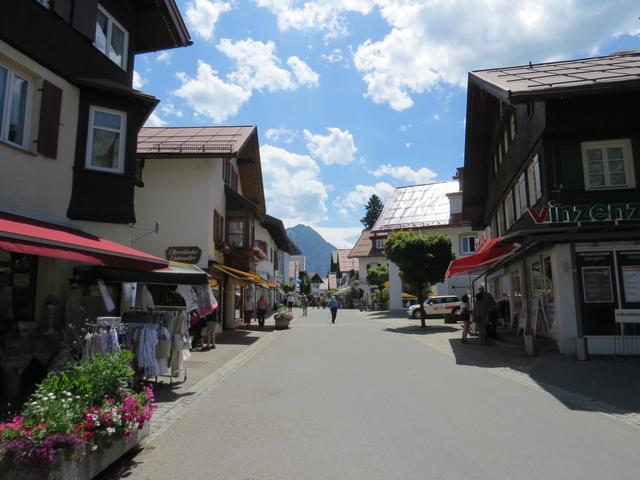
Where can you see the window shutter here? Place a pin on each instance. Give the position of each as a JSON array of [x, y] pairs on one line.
[[49, 120], [85, 16], [63, 9]]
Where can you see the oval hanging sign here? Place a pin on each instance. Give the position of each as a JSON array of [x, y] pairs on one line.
[[184, 254]]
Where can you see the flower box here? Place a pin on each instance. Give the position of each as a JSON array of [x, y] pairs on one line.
[[282, 321]]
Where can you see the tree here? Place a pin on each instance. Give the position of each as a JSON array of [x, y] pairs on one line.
[[423, 260], [373, 209], [305, 284], [377, 276]]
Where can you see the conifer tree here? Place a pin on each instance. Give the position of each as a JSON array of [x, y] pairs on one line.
[[373, 210]]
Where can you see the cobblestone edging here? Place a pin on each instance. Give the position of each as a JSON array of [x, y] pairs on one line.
[[522, 378], [170, 412]]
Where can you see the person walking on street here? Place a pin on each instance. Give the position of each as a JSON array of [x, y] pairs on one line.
[[465, 311], [304, 303], [262, 310], [483, 308], [290, 303], [333, 306]]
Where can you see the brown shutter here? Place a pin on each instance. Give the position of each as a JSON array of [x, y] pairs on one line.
[[63, 9], [85, 16], [216, 226], [49, 120]]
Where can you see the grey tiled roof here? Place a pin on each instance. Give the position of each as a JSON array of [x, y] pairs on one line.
[[193, 140]]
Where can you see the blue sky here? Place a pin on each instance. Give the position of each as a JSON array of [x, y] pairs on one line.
[[354, 97]]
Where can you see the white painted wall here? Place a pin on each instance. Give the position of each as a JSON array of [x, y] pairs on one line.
[[266, 267], [395, 287], [566, 320], [31, 184]]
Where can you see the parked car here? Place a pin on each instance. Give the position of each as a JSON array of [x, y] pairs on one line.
[[436, 306]]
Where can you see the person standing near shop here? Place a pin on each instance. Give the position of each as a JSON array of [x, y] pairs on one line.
[[483, 307], [248, 309], [465, 311], [333, 306], [262, 310]]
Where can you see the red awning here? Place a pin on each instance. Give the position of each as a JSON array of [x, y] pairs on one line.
[[34, 237], [490, 254]]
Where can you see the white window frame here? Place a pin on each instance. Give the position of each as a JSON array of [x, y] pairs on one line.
[[627, 154], [500, 220], [521, 195], [5, 108], [508, 211], [533, 177], [123, 139], [112, 22], [468, 251], [380, 243]]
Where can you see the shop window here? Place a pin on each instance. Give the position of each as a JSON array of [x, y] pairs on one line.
[[468, 245], [597, 284], [111, 38], [235, 233], [608, 165], [15, 96], [533, 175], [106, 142]]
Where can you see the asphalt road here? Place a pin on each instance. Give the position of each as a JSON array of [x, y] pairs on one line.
[[355, 401]]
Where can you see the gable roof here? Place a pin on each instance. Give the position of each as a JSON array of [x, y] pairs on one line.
[[346, 264], [526, 82], [315, 278], [193, 141], [417, 206], [363, 247]]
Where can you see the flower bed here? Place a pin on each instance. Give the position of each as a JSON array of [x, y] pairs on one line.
[[83, 408]]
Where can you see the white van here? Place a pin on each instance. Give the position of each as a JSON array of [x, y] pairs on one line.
[[436, 306]]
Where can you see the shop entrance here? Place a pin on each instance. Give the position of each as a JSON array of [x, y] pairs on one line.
[[598, 292]]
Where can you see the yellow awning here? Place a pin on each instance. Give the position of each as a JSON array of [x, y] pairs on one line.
[[239, 274], [408, 296]]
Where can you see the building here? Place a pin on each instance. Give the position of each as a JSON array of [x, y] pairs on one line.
[[316, 285], [551, 175], [297, 264], [428, 208], [203, 187], [344, 269]]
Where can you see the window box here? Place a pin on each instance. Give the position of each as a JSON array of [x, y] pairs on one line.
[[106, 140], [608, 165]]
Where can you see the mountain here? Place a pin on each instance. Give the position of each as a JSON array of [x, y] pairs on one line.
[[314, 247]]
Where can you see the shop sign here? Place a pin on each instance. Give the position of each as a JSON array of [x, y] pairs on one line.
[[600, 212], [627, 316], [184, 254]]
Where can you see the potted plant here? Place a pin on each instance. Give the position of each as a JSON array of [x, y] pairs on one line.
[[282, 318]]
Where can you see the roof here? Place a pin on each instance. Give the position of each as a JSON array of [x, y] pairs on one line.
[[276, 229], [332, 281], [193, 141], [315, 278], [524, 82], [346, 264], [161, 25], [364, 246], [417, 206]]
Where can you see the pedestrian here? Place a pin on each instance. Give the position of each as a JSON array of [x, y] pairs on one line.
[[333, 306], [262, 310], [465, 311], [248, 309], [304, 303], [210, 331], [290, 303], [484, 306]]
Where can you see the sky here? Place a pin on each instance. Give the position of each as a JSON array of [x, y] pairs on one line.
[[355, 97]]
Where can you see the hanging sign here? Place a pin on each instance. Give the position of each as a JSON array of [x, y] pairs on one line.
[[600, 212], [183, 254]]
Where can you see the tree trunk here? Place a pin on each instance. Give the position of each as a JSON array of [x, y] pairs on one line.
[[420, 296]]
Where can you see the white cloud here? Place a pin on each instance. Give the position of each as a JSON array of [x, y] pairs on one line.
[[155, 121], [138, 80], [335, 148], [283, 135], [407, 175], [408, 144], [293, 189], [304, 74], [210, 96], [436, 116], [436, 42], [335, 56], [169, 109], [358, 197], [339, 237], [202, 16], [164, 57]]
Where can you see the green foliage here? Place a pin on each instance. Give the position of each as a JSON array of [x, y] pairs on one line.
[[378, 275], [349, 297], [373, 209], [305, 284], [288, 288], [381, 295], [423, 259]]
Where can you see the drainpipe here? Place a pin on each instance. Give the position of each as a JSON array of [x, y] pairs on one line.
[[581, 342]]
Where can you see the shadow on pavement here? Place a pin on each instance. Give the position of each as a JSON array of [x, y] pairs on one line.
[[386, 314], [240, 336], [125, 466], [164, 393], [604, 385], [418, 330]]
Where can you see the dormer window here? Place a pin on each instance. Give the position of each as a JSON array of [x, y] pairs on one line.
[[111, 38]]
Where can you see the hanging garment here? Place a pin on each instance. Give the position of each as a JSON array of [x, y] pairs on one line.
[[189, 295], [144, 298]]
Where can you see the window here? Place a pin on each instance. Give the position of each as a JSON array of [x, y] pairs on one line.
[[608, 165], [533, 175], [15, 91], [380, 243], [501, 228], [106, 142], [521, 195], [111, 38], [508, 210], [468, 245], [235, 231]]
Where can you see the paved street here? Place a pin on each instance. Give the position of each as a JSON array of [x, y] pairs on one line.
[[363, 400]]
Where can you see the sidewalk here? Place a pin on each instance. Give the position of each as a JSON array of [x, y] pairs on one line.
[[606, 385]]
